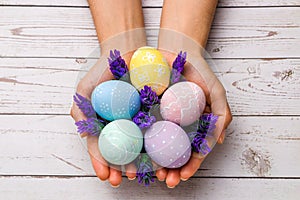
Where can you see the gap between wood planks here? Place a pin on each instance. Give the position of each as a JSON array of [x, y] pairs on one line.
[[153, 3], [219, 6], [125, 177]]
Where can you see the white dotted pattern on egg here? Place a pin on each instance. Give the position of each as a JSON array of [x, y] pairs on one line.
[[183, 103], [167, 144], [115, 100]]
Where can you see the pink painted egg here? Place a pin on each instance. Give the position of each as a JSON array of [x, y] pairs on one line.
[[182, 103], [167, 144]]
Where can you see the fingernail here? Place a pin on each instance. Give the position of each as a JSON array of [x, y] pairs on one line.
[[131, 179], [184, 179], [161, 180], [114, 186], [171, 187]]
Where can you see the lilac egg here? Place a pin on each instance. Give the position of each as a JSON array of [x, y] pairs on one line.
[[167, 144]]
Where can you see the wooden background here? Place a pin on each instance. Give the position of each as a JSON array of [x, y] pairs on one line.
[[44, 44]]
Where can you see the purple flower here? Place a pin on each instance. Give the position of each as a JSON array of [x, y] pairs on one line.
[[84, 105], [91, 126], [178, 66], [207, 124], [179, 62], [117, 64], [199, 143], [143, 119], [175, 76], [145, 171], [148, 97]]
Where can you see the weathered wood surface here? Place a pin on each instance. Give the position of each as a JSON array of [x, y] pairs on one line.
[[49, 145], [44, 45], [46, 85], [199, 188], [154, 3], [69, 32]]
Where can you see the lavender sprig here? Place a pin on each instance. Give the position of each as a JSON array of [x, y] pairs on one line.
[[148, 97], [92, 126], [198, 139], [179, 62], [143, 119], [117, 64], [207, 123], [199, 143], [145, 170], [175, 76], [84, 105], [177, 67]]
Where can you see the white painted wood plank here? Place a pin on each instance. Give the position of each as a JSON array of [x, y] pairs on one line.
[[69, 32], [15, 188], [153, 3], [48, 145], [46, 85]]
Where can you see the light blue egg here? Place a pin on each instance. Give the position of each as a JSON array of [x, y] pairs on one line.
[[116, 100], [120, 142]]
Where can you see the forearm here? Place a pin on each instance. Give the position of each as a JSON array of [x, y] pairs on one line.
[[115, 16], [191, 17]]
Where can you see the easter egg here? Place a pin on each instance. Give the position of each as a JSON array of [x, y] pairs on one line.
[[120, 142], [182, 103], [115, 100], [167, 144], [149, 67]]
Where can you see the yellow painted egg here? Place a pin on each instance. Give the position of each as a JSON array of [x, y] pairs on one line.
[[149, 67]]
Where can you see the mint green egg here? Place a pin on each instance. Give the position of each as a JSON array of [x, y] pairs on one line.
[[120, 142]]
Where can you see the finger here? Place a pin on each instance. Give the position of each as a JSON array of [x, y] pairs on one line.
[[131, 171], [191, 167], [77, 115], [222, 137], [99, 164], [207, 109], [161, 174], [173, 178], [115, 176], [228, 119], [97, 74], [219, 107]]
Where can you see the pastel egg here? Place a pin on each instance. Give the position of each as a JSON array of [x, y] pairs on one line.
[[120, 142], [183, 103], [149, 67], [167, 144], [115, 100]]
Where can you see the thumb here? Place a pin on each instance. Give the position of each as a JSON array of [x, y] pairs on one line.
[[220, 107]]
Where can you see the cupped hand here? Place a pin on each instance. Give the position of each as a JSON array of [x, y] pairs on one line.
[[96, 75], [198, 71]]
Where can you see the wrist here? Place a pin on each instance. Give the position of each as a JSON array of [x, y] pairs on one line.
[[126, 42], [183, 43]]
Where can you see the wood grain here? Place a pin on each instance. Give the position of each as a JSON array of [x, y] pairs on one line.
[[69, 32], [49, 145], [45, 45], [46, 85], [204, 188], [154, 3]]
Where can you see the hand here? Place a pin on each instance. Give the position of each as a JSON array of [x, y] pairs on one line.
[[97, 74], [216, 103]]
